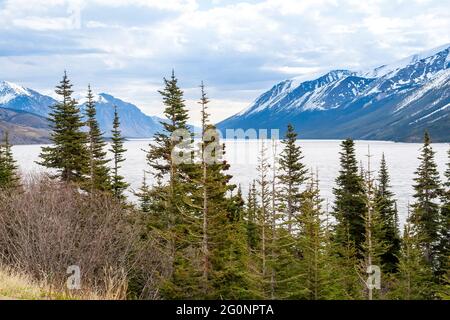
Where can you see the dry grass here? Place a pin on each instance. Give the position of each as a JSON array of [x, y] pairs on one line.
[[18, 285], [15, 285]]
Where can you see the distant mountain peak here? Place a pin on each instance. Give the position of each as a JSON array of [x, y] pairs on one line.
[[403, 63], [9, 91], [394, 101]]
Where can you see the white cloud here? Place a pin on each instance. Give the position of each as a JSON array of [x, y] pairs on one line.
[[239, 47]]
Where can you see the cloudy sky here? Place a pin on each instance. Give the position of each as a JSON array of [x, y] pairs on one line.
[[239, 48]]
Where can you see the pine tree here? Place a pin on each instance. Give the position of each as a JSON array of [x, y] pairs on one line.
[[98, 169], [425, 210], [444, 242], [292, 175], [264, 221], [316, 269], [223, 248], [386, 208], [159, 157], [144, 195], [229, 257], [204, 182], [9, 177], [250, 217], [374, 246], [171, 160], [118, 184], [68, 154], [350, 203], [414, 279]]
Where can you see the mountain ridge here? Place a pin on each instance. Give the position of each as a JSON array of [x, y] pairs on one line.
[[406, 97]]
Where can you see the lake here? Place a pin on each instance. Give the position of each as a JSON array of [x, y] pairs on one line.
[[320, 155]]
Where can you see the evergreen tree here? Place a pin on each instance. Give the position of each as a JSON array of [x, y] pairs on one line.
[[316, 269], [386, 208], [68, 154], [292, 176], [250, 216], [144, 195], [159, 157], [170, 159], [350, 203], [98, 169], [118, 184], [444, 243], [224, 252], [264, 220], [374, 246], [414, 279], [9, 177], [425, 216]]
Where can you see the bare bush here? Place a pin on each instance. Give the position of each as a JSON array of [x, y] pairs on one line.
[[51, 226]]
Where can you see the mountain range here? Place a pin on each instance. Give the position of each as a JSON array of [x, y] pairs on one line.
[[394, 102], [23, 113]]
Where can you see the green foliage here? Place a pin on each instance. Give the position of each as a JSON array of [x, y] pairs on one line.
[[118, 184], [292, 175], [444, 227], [250, 214], [414, 280], [425, 215], [98, 169], [386, 209], [9, 177], [68, 154], [350, 203]]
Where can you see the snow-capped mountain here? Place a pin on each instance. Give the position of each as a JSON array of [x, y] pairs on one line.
[[13, 96], [134, 123], [395, 102]]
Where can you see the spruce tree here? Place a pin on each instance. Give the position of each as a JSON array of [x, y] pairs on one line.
[[425, 216], [172, 209], [224, 253], [68, 154], [118, 184], [229, 253], [144, 196], [414, 279], [159, 156], [444, 242], [250, 217], [98, 169], [315, 268], [374, 246], [386, 208], [9, 177], [264, 221], [350, 203], [292, 176]]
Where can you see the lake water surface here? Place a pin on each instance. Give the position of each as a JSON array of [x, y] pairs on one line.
[[320, 155]]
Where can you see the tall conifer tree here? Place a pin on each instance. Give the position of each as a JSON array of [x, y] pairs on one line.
[[292, 176], [68, 154], [9, 177], [414, 280], [98, 169], [444, 242], [425, 216], [118, 184], [386, 208], [350, 203]]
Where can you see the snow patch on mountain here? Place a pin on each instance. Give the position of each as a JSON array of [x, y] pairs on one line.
[[9, 91], [438, 81]]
